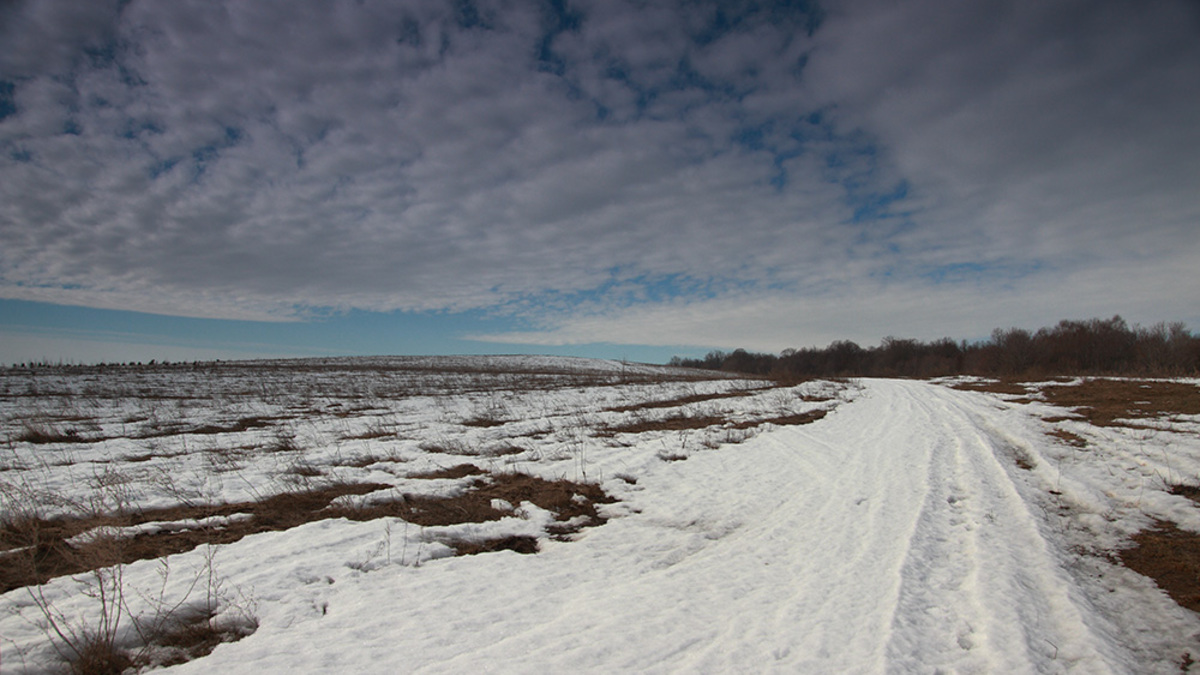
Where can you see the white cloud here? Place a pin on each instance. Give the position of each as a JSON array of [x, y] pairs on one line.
[[866, 311], [258, 160], [1049, 131]]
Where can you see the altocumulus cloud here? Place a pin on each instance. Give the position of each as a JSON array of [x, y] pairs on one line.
[[714, 173]]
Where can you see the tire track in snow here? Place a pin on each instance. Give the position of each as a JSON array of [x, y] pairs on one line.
[[982, 589]]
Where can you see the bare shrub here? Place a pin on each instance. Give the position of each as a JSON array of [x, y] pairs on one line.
[[111, 638]]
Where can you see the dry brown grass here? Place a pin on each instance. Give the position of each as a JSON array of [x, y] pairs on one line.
[[679, 401], [1069, 438], [190, 636], [1168, 555], [41, 433], [239, 425], [1171, 557], [807, 417], [566, 499], [456, 471], [1008, 387], [1192, 492], [372, 433], [680, 422], [503, 450], [672, 423], [448, 446], [96, 657], [484, 421], [36, 550], [1106, 402], [365, 459], [518, 543]]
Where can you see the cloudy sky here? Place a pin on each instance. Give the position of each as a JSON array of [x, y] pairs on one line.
[[202, 179]]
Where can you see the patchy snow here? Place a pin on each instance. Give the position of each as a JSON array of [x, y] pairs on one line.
[[915, 528], [154, 527]]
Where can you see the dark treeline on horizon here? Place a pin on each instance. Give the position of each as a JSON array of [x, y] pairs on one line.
[[1092, 347]]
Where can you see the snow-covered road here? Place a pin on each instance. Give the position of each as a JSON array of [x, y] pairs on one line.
[[902, 533]]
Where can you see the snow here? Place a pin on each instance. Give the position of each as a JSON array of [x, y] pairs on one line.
[[900, 533], [153, 527]]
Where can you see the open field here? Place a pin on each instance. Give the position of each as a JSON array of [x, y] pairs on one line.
[[550, 514]]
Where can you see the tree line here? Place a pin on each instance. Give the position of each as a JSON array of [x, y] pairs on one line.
[[1091, 347]]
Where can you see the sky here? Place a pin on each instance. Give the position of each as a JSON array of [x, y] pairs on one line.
[[202, 179]]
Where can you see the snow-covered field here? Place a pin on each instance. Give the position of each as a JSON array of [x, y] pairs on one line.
[[914, 527]]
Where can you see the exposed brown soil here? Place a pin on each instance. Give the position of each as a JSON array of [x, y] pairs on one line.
[[1171, 557], [37, 549]]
